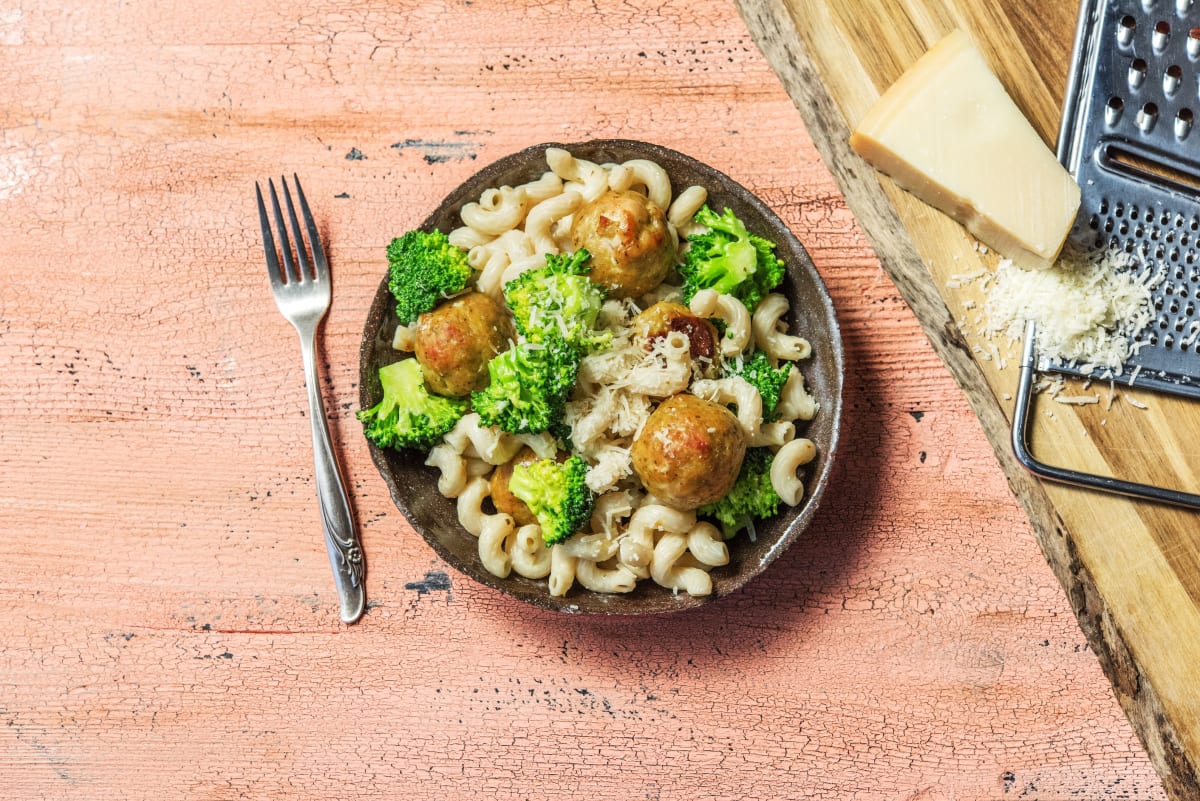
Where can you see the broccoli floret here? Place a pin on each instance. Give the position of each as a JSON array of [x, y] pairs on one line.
[[424, 267], [768, 380], [752, 496], [528, 387], [729, 259], [409, 416], [559, 300], [556, 493]]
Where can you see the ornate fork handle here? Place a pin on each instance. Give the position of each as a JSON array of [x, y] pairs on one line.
[[302, 292], [341, 539]]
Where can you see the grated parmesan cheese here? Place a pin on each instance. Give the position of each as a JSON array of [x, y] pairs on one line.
[[1077, 400], [1087, 310]]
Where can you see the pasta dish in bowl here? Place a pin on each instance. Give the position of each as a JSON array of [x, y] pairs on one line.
[[603, 377]]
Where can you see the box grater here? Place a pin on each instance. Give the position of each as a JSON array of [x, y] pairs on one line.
[[1127, 136]]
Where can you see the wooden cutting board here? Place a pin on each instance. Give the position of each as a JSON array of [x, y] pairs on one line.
[[1130, 568]]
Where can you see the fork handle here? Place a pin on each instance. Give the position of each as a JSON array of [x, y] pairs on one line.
[[337, 520]]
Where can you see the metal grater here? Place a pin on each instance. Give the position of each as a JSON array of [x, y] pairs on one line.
[[1127, 137]]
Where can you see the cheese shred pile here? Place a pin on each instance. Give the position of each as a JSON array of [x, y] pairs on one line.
[[1088, 310]]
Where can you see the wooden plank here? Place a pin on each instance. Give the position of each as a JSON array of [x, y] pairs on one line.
[[1129, 568]]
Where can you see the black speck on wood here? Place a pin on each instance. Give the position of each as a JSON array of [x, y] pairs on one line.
[[435, 580]]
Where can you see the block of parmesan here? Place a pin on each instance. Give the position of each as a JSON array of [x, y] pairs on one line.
[[947, 132]]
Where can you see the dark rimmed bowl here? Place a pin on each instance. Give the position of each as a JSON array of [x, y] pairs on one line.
[[413, 486]]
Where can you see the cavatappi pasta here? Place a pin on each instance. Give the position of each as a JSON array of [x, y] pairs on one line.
[[632, 536]]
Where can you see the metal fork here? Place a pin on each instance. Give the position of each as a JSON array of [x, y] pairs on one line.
[[302, 295]]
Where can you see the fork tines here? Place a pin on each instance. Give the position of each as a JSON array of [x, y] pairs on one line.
[[290, 273]]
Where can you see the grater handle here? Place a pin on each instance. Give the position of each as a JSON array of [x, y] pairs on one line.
[[1020, 445]]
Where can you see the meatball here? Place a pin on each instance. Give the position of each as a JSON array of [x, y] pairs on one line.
[[664, 317], [455, 341], [690, 451], [631, 246], [502, 497]]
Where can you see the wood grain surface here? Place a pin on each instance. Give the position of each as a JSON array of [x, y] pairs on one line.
[[1132, 570], [170, 629]]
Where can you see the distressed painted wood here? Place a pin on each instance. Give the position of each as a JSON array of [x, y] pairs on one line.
[[169, 623], [1132, 570]]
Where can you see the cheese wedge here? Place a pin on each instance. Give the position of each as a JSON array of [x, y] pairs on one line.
[[947, 132]]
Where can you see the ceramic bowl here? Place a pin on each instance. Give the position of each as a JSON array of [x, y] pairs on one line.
[[413, 486]]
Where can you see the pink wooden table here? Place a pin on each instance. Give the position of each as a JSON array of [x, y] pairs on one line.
[[170, 629]]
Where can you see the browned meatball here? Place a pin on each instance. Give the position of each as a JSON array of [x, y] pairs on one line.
[[455, 341], [689, 452], [664, 317], [632, 249]]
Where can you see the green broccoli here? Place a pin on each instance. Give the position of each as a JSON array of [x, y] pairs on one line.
[[528, 387], [559, 300], [768, 380], [409, 416], [729, 259], [424, 267], [752, 496], [556, 493]]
